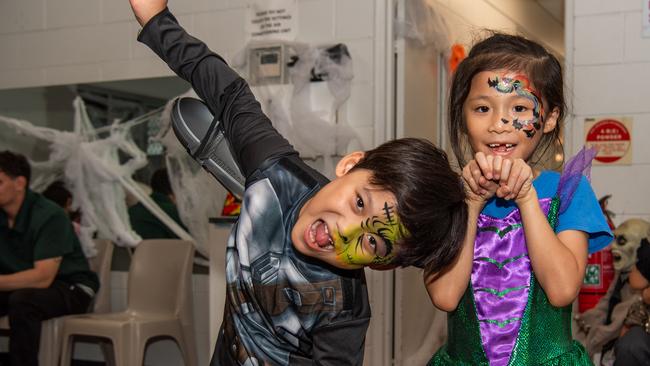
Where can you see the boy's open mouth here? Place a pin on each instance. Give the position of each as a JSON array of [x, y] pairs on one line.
[[501, 148], [318, 236]]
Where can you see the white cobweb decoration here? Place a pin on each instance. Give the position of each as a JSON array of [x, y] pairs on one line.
[[313, 133], [91, 169]]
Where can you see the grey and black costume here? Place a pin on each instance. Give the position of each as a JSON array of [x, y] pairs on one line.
[[282, 308]]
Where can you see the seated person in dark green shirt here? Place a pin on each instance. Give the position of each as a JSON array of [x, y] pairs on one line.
[[144, 222], [43, 271], [57, 193]]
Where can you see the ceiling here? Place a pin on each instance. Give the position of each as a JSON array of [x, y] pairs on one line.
[[554, 7]]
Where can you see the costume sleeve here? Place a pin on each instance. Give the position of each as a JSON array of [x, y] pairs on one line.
[[55, 238], [584, 214], [250, 133], [643, 259], [340, 343]]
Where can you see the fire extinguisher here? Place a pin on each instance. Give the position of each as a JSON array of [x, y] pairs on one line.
[[599, 272]]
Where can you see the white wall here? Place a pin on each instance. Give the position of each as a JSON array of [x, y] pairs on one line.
[[609, 76], [42, 107], [77, 41]]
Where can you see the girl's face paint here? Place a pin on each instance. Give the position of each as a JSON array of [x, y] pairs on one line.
[[528, 121], [374, 241], [504, 115]]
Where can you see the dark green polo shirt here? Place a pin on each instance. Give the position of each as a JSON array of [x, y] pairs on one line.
[[42, 230], [147, 225]]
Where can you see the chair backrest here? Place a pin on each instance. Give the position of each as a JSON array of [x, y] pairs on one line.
[[101, 264], [160, 277]]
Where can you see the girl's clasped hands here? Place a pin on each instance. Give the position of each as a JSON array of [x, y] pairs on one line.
[[489, 175]]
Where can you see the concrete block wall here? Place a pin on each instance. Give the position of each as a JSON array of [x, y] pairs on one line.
[[609, 75], [78, 41]]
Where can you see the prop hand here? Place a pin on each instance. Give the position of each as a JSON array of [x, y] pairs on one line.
[[146, 9]]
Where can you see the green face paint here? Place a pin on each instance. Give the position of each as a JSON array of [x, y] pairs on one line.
[[374, 241]]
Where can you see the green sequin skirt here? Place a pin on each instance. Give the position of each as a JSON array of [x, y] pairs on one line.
[[576, 356]]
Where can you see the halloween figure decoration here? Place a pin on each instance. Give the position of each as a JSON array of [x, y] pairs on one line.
[[600, 327]]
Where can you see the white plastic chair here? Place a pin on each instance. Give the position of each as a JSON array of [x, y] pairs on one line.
[[159, 304]]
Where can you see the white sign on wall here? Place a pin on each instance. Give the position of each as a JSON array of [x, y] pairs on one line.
[[646, 18], [272, 20]]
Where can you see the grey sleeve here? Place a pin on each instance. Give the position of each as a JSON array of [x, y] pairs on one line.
[[252, 137]]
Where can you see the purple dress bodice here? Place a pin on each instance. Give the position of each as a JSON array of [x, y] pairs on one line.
[[501, 277]]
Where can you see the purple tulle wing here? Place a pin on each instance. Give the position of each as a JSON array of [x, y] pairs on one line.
[[574, 169]]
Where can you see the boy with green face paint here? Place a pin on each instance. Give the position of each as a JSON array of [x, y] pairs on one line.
[[375, 240], [296, 292]]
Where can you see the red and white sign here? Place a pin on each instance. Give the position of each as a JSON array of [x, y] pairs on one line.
[[612, 137]]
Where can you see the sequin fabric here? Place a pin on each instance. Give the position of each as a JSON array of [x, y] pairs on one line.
[[542, 335]]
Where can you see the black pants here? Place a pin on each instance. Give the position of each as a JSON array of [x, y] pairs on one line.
[[27, 308], [633, 348]]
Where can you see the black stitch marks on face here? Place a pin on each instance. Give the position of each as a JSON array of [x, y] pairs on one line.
[[388, 210]]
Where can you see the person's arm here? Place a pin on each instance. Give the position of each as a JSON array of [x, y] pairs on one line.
[[447, 287], [645, 294], [250, 133], [637, 280], [41, 276], [144, 10], [54, 237], [558, 260], [640, 275]]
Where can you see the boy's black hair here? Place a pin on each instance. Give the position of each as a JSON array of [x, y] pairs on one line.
[[57, 193], [15, 165], [506, 51], [430, 200], [160, 182]]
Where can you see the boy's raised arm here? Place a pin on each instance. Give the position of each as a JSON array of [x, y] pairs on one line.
[[250, 133], [144, 10]]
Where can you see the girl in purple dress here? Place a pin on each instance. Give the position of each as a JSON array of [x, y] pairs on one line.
[[509, 294]]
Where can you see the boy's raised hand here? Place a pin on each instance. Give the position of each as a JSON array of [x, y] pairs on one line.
[[146, 9]]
